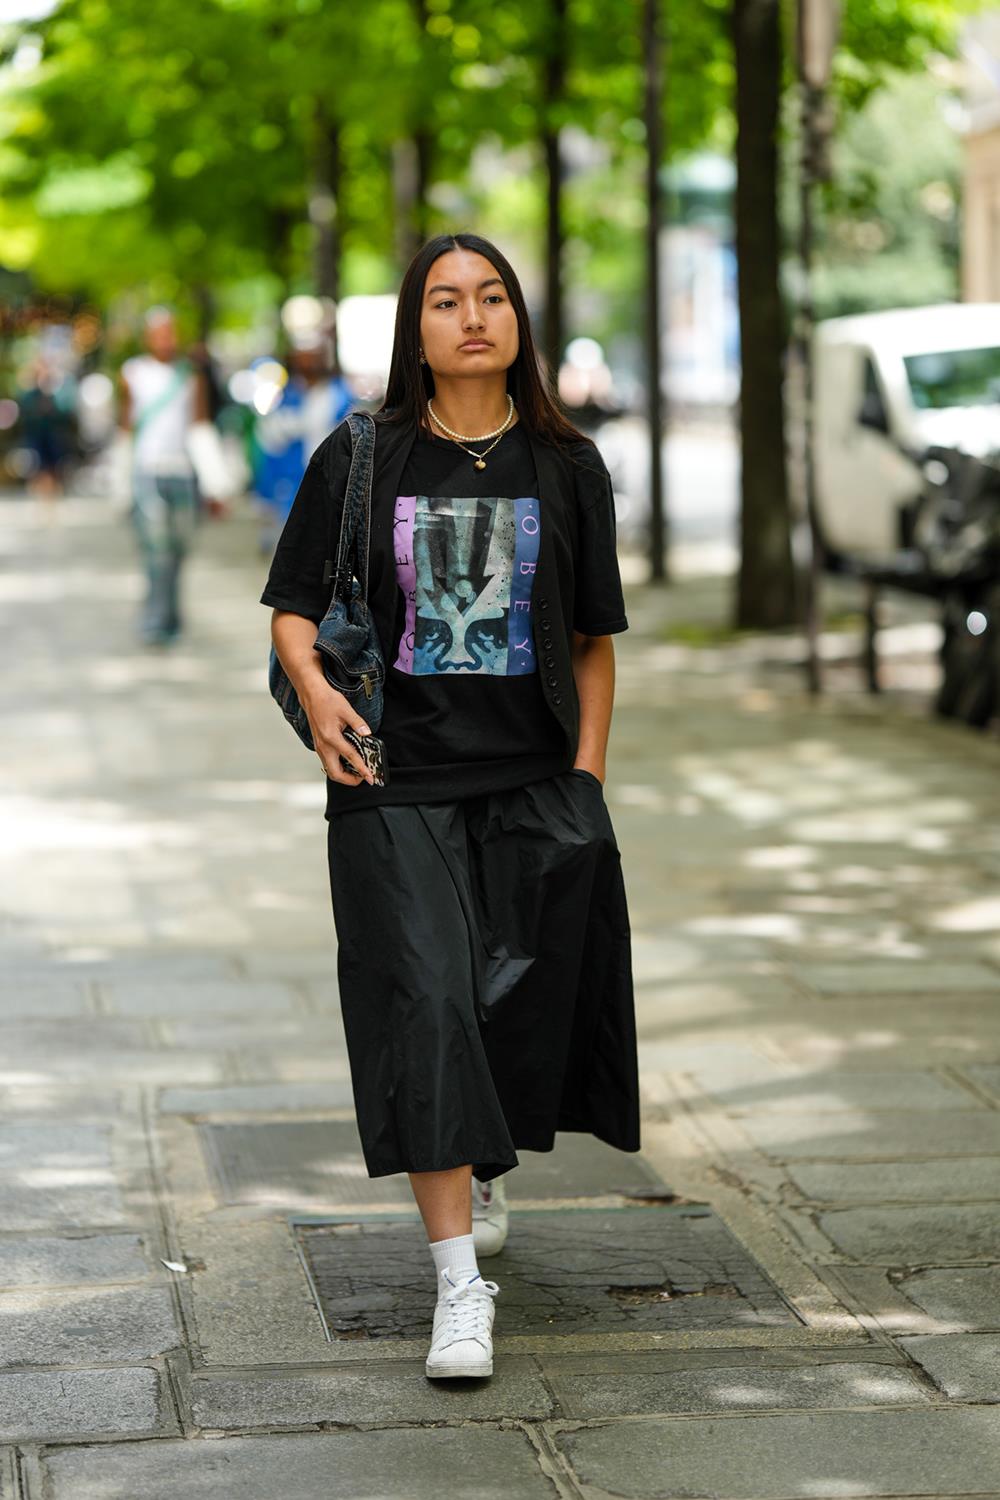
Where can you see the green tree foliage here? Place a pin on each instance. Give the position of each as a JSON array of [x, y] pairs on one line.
[[155, 143], [891, 209], [159, 146]]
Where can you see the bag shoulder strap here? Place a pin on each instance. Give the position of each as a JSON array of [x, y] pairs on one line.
[[182, 372], [350, 557]]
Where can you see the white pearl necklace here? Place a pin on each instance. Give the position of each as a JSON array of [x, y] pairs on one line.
[[461, 438]]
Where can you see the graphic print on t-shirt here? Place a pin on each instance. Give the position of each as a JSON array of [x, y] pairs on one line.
[[465, 567]]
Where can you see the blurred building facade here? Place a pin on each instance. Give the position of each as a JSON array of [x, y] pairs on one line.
[[981, 211]]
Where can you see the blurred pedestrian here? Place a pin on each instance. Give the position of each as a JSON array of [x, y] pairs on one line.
[[162, 396], [313, 400], [48, 422]]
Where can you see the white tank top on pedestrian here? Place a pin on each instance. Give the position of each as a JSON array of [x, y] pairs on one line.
[[160, 443]]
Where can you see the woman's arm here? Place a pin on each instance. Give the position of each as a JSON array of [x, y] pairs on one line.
[[326, 709], [593, 658]]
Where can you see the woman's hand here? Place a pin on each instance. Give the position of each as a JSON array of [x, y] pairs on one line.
[[328, 711]]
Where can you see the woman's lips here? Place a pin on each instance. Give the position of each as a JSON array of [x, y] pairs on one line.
[[475, 344]]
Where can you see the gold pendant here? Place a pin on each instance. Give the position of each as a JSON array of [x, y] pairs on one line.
[[480, 463]]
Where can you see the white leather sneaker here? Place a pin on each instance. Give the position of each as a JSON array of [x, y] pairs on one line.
[[462, 1336], [490, 1215]]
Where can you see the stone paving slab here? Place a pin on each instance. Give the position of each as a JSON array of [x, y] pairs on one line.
[[562, 1272], [149, 963], [792, 1456], [99, 1048], [898, 977], [861, 1134], [464, 1463], [323, 1035], [959, 1178], [36, 1146], [8, 1490], [966, 1366], [642, 1387], [304, 1164], [875, 1291], [44, 996], [86, 1327], [859, 1033], [83, 1104], [390, 1393], [914, 1236], [64, 1260], [987, 1075], [822, 1091], [56, 1405], [288, 1064], [581, 1166], [967, 1296], [58, 1175], [256, 1098], [315, 962], [63, 1205], [170, 997]]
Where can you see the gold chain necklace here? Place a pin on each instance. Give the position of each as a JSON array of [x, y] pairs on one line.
[[461, 438]]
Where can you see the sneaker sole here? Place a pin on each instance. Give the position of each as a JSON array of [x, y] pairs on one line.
[[460, 1372]]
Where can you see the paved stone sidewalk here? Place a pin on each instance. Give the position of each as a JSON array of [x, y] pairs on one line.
[[794, 1291]]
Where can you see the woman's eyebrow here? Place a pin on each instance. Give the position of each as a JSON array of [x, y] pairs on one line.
[[491, 281]]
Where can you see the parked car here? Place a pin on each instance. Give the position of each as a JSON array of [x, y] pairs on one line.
[[889, 386], [907, 451]]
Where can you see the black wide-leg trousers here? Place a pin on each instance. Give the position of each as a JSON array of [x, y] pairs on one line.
[[485, 974]]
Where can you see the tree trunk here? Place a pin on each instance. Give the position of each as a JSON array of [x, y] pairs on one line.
[[553, 85], [423, 154], [204, 299], [281, 223], [409, 179], [412, 162], [653, 114], [766, 587], [324, 205]]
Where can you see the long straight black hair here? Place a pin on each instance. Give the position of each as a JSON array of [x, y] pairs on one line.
[[410, 382]]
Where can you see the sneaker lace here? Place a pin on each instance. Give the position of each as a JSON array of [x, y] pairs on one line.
[[467, 1306]]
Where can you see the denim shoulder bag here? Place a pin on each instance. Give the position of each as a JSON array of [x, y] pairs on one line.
[[347, 641]]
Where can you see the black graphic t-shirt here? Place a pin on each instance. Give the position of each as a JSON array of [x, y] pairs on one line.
[[464, 711], [453, 590]]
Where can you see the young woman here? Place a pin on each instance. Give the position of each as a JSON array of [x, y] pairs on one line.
[[484, 957]]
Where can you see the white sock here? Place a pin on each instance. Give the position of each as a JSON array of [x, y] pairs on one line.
[[457, 1255]]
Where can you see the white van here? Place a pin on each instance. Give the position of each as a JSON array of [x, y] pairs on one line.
[[887, 386]]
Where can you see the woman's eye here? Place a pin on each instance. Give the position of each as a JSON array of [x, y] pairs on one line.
[[450, 301]]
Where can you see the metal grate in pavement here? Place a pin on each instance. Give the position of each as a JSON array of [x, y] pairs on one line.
[[562, 1271]]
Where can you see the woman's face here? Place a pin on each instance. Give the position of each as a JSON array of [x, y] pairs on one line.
[[467, 323]]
